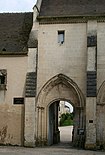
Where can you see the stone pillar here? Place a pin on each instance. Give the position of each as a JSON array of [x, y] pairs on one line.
[[38, 3], [29, 130], [30, 93], [40, 141], [36, 10], [91, 85], [90, 123]]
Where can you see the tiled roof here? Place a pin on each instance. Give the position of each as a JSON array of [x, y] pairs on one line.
[[61, 8], [14, 32]]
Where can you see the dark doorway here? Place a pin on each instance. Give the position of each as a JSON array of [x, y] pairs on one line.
[[60, 133]]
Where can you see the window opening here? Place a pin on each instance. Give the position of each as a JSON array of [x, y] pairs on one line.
[[61, 35], [3, 79]]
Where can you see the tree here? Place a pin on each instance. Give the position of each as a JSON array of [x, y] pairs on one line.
[[66, 119]]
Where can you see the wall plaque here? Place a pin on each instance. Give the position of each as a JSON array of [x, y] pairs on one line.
[[91, 41], [80, 131], [18, 100]]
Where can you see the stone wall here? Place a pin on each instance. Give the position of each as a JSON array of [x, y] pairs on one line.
[[12, 115], [68, 58], [81, 58]]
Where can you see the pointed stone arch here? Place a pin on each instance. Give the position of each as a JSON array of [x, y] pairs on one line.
[[101, 94], [59, 87], [100, 112], [56, 81]]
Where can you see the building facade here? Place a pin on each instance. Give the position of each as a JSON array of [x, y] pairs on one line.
[[55, 54]]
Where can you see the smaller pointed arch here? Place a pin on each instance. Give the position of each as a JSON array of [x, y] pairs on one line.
[[101, 94]]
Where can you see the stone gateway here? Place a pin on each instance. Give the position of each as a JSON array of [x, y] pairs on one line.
[[56, 53]]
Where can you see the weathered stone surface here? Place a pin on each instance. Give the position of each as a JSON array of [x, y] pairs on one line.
[[12, 116], [29, 128], [90, 123], [91, 84], [30, 84], [73, 71], [91, 58]]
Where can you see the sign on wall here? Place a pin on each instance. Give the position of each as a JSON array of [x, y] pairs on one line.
[[18, 100]]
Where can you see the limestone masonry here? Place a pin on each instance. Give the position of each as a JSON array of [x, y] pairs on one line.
[[56, 53]]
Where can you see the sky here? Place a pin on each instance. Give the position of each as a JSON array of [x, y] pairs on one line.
[[17, 5]]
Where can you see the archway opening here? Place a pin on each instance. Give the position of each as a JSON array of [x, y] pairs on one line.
[[65, 122], [59, 88], [61, 123]]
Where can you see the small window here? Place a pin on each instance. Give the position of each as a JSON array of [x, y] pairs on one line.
[[61, 35], [90, 121], [3, 77]]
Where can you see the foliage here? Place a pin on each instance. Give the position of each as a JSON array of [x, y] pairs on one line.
[[66, 119]]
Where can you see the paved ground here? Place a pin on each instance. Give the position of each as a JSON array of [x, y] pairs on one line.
[[63, 148], [46, 151]]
